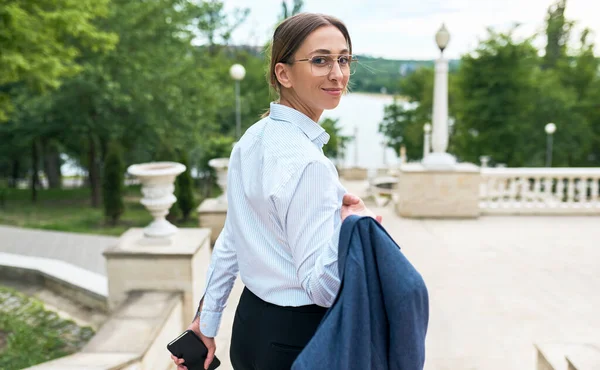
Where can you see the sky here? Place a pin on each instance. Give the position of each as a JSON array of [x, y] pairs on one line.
[[402, 29]]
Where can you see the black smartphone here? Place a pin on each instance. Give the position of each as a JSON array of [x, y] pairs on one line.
[[190, 347]]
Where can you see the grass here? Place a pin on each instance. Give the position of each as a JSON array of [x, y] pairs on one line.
[[70, 210], [30, 334]]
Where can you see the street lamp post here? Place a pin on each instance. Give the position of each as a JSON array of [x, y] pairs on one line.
[[439, 158], [237, 72], [426, 139], [550, 128]]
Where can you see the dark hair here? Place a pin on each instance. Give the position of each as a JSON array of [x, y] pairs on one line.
[[291, 33]]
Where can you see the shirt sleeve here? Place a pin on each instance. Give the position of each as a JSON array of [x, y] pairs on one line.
[[220, 279], [312, 225]]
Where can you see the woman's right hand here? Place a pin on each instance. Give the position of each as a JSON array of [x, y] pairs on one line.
[[353, 205], [208, 342]]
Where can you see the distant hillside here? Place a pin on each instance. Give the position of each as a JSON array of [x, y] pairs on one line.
[[379, 74], [374, 75]]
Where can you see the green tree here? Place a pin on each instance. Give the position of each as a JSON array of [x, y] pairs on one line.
[[215, 25], [497, 90], [185, 191], [397, 122], [149, 92], [404, 120], [112, 184], [41, 41], [296, 8], [579, 76], [557, 34], [336, 146]]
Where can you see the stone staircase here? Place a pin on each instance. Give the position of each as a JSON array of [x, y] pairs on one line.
[[568, 356]]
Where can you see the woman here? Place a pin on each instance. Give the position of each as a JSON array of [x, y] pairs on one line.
[[286, 206]]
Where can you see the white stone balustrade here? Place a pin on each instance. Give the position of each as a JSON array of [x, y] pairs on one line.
[[540, 191]]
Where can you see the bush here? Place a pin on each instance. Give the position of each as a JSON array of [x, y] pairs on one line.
[[33, 334], [112, 184], [184, 191]]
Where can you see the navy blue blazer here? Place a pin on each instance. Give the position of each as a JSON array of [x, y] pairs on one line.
[[379, 318]]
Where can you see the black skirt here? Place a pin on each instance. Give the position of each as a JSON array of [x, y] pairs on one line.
[[270, 337]]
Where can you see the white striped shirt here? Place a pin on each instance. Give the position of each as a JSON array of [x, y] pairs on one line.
[[283, 218]]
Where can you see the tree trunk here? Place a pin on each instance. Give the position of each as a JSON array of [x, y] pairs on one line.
[[94, 173], [52, 164], [15, 174], [35, 169]]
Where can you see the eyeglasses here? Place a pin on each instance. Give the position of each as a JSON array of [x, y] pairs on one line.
[[321, 65]]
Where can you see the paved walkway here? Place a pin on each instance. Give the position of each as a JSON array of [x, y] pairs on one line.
[[80, 250], [497, 285]]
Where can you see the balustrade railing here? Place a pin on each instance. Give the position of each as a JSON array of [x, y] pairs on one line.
[[540, 191]]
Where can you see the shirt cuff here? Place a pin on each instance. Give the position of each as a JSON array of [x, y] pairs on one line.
[[210, 322]]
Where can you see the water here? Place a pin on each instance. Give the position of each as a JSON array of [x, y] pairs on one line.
[[363, 113]]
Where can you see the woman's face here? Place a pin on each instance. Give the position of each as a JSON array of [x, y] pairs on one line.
[[317, 85]]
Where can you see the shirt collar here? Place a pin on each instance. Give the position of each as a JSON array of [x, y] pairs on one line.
[[311, 129]]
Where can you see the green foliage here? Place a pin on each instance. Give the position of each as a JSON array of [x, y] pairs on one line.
[[404, 120], [217, 146], [55, 33], [286, 12], [497, 89], [336, 146], [3, 193], [215, 24], [112, 184], [34, 334], [184, 189], [398, 124], [506, 99], [503, 94], [557, 34]]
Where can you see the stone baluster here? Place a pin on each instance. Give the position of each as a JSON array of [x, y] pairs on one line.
[[571, 190], [537, 185], [525, 189], [548, 189], [595, 187], [513, 189], [501, 190], [582, 186], [560, 189]]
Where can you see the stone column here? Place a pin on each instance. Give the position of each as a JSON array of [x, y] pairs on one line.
[[439, 158]]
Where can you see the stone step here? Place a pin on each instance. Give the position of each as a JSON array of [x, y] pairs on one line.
[[567, 356], [86, 287], [584, 358]]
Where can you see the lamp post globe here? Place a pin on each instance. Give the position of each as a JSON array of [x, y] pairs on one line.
[[237, 72], [442, 38]]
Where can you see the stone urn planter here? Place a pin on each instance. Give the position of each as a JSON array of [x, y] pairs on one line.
[[221, 165], [158, 184]]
